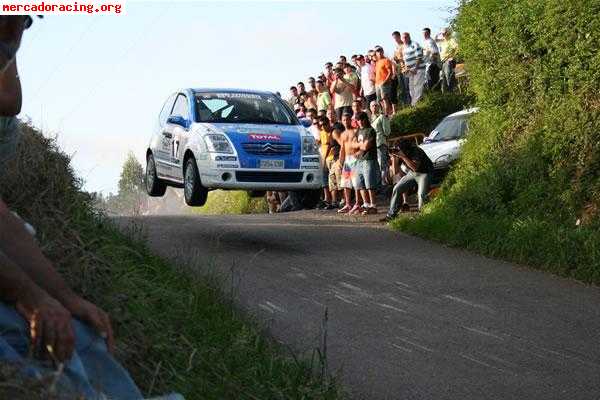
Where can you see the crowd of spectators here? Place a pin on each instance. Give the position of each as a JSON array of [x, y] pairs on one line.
[[349, 106]]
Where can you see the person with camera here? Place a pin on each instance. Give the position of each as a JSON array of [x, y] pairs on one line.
[[343, 87], [419, 172]]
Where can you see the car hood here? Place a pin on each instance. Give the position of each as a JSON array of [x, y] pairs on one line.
[[255, 133], [258, 132], [449, 149]]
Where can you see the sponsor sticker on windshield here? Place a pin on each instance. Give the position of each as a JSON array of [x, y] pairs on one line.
[[252, 96]]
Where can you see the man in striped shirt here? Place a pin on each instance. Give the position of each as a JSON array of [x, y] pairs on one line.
[[414, 67]]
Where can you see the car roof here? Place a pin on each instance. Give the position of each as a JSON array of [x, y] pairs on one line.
[[468, 111], [229, 90]]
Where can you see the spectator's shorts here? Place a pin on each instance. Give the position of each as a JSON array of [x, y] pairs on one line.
[[9, 138], [341, 110], [348, 172], [384, 92], [335, 174], [383, 157], [394, 90], [369, 98], [367, 175]]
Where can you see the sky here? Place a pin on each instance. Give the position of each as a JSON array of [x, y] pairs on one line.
[[97, 83]]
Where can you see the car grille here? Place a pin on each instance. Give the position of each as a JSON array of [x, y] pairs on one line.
[[268, 176], [267, 149]]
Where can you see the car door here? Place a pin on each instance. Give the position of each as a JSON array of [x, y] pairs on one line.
[[161, 145], [175, 130]]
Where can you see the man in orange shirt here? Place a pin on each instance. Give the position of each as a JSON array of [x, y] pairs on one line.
[[384, 73]]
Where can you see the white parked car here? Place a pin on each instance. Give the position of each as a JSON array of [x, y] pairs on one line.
[[443, 144], [229, 139]]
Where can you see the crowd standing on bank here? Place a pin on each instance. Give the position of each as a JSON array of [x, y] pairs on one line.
[[349, 105]]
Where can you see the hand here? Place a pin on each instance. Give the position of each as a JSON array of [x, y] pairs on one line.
[[49, 325], [95, 317]]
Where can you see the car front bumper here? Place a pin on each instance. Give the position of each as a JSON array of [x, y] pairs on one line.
[[262, 179]]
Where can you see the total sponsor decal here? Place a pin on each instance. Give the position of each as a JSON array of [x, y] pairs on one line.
[[264, 137]]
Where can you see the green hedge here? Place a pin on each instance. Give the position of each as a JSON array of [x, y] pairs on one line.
[[527, 186], [428, 113]]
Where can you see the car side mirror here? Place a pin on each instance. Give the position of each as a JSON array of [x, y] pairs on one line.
[[306, 122], [177, 120]]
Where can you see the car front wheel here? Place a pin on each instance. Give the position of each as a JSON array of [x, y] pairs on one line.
[[155, 187], [195, 194]]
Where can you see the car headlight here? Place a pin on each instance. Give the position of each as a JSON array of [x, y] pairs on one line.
[[442, 161], [218, 143], [309, 146]]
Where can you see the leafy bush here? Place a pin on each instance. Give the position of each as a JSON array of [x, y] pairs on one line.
[[527, 186], [427, 113]]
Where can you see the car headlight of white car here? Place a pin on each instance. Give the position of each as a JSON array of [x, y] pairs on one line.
[[443, 161], [309, 146], [218, 143]]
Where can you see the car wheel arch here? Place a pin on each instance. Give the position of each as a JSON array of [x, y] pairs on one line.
[[186, 156]]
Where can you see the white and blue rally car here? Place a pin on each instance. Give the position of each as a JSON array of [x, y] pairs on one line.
[[229, 139]]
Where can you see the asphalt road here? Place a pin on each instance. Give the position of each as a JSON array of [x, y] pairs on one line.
[[407, 318]]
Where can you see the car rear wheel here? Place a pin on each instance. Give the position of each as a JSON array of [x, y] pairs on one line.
[[155, 187], [195, 194]]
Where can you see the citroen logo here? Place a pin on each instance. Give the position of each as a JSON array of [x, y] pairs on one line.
[[268, 148]]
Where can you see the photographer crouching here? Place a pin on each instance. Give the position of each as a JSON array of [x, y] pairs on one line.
[[419, 172]]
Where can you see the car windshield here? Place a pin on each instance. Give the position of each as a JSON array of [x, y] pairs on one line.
[[451, 128], [242, 108]]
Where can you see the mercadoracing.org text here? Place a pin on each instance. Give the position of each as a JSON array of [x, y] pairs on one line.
[[61, 7]]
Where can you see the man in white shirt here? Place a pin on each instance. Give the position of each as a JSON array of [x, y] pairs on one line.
[[414, 67], [367, 79], [431, 58], [381, 123]]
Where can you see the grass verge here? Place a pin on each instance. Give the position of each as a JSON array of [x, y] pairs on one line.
[[175, 330], [566, 251], [232, 202], [527, 185]]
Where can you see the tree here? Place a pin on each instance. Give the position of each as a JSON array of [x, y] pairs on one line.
[[131, 198], [132, 176]]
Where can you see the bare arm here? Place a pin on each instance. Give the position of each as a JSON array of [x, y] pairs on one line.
[[19, 247], [409, 163]]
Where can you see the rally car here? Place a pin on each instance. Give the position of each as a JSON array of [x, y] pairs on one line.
[[209, 139]]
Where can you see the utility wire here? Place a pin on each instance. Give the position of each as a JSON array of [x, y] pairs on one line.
[[62, 61], [128, 51]]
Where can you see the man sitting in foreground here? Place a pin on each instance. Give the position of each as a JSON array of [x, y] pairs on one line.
[[40, 315]]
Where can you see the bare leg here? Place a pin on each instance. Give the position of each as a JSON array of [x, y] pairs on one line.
[[372, 197], [326, 195], [348, 196], [364, 195]]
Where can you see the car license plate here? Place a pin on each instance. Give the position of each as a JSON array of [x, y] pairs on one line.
[[271, 164]]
